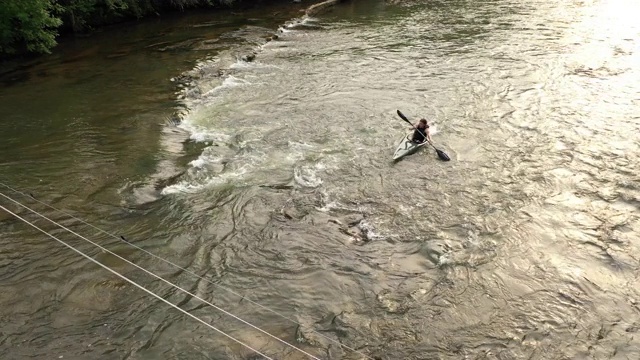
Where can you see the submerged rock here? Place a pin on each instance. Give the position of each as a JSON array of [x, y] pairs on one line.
[[352, 226], [277, 186], [162, 183], [249, 57], [353, 219], [293, 213], [320, 7], [391, 305], [307, 336]]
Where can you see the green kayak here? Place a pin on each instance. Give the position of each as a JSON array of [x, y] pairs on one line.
[[407, 147]]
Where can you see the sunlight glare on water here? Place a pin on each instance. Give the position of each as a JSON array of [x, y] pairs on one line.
[[277, 182]]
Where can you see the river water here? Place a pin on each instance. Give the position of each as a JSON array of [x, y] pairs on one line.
[[266, 188]]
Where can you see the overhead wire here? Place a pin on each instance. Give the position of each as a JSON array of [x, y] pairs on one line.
[[161, 278], [134, 283], [122, 239]]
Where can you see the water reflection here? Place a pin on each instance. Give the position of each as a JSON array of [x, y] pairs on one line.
[[521, 247]]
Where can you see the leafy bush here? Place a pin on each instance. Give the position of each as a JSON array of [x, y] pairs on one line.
[[32, 25], [28, 25]]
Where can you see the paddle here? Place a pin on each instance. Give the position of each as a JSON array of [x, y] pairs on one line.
[[441, 154]]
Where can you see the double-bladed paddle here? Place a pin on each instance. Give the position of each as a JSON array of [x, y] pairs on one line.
[[441, 154]]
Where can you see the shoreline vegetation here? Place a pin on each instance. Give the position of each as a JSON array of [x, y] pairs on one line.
[[32, 27]]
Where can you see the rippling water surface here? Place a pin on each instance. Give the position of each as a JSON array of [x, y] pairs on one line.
[[273, 187]]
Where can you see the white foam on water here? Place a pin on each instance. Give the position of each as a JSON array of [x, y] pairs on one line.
[[212, 168], [297, 151], [369, 229], [253, 65], [206, 158], [405, 210], [330, 205], [445, 259], [179, 188], [241, 65], [299, 145], [198, 163], [294, 157], [309, 20], [200, 133], [212, 83], [192, 187], [206, 176], [307, 176], [205, 92], [228, 82], [320, 166], [291, 25], [195, 123]]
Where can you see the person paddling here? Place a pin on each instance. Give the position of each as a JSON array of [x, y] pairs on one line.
[[421, 132]]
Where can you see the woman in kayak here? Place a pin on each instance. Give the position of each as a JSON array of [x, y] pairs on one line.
[[421, 132]]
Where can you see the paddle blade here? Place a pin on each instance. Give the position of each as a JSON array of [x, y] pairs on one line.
[[403, 117], [442, 155]]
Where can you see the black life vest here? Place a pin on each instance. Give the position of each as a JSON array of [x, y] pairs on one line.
[[420, 134]]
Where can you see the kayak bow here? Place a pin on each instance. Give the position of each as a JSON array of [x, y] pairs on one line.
[[407, 147]]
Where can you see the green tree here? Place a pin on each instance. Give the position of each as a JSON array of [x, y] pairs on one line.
[[28, 25], [76, 13], [82, 15], [32, 25]]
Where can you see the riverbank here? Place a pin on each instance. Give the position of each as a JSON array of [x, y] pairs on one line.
[[117, 80], [15, 68], [38, 32]]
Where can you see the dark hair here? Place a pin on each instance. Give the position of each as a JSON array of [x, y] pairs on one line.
[[424, 121]]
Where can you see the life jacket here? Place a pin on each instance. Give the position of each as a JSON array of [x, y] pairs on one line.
[[420, 134]]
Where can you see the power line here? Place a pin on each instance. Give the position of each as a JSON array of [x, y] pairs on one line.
[[161, 278], [122, 239], [133, 282]]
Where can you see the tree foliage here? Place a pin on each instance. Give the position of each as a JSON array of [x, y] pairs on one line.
[[28, 25], [32, 25]]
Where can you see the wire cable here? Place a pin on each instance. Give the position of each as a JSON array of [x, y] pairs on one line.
[[162, 279], [122, 239], [134, 283]]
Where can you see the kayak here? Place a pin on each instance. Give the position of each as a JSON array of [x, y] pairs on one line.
[[407, 147]]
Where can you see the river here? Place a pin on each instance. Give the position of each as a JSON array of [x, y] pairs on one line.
[[260, 197]]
